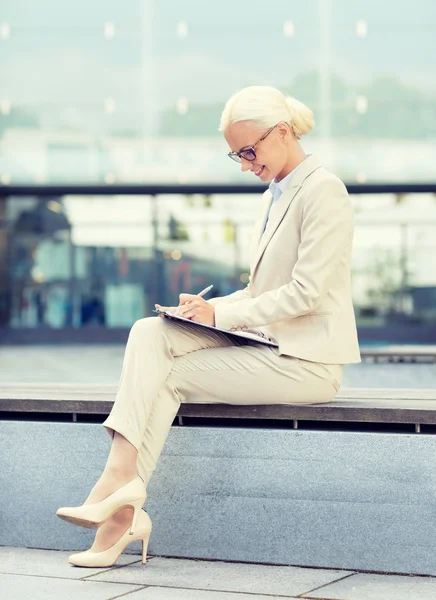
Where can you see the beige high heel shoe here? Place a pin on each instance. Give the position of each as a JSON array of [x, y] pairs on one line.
[[108, 557], [93, 515]]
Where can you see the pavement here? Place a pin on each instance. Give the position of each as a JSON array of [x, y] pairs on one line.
[[33, 574], [102, 364]]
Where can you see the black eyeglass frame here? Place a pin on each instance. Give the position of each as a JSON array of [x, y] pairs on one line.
[[238, 156]]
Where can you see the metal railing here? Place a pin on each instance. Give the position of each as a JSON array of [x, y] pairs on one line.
[[150, 189], [371, 331]]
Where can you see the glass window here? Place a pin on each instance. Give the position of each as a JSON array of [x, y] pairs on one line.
[[93, 92]]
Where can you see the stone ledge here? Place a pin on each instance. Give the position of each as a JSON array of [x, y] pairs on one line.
[[350, 404]]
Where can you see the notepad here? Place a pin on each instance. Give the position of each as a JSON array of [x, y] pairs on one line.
[[254, 337]]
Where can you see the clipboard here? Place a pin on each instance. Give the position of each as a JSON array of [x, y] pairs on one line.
[[240, 334]]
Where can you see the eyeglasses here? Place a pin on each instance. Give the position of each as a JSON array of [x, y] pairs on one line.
[[249, 153]]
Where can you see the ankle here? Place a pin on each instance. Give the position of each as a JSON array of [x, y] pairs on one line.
[[120, 473], [123, 516]]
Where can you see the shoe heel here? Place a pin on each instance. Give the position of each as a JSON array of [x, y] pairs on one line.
[[137, 505], [145, 541]]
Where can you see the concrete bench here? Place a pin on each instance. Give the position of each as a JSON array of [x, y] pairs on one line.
[[350, 484]]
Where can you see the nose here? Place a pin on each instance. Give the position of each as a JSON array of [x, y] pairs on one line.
[[245, 165]]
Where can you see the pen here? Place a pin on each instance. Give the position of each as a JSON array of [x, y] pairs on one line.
[[203, 292]]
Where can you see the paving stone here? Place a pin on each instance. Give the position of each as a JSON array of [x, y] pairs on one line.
[[25, 587], [49, 563], [362, 586], [223, 576], [161, 593]]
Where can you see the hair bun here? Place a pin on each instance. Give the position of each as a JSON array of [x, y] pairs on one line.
[[301, 116]]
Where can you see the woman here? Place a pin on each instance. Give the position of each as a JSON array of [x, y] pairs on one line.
[[298, 295]]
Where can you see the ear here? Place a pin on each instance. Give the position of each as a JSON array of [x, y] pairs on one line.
[[284, 131]]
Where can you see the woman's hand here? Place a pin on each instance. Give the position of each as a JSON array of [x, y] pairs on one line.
[[169, 309], [196, 309]]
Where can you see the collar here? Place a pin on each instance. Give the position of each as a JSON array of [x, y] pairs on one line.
[[307, 167], [283, 183]]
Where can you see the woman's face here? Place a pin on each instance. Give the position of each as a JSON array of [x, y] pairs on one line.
[[271, 153]]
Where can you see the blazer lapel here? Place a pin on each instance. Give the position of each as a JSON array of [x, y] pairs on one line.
[[259, 223], [309, 165], [274, 221]]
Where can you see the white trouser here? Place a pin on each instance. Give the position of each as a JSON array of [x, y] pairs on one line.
[[167, 362]]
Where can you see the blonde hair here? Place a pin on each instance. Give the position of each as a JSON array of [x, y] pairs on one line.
[[264, 106]]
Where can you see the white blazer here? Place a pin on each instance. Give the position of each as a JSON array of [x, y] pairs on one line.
[[299, 289]]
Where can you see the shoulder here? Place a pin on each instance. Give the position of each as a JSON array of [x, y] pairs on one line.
[[325, 195], [322, 180]]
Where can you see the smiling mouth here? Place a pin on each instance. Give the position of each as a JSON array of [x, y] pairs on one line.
[[259, 172]]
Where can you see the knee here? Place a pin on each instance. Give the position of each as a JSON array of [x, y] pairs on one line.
[[176, 385], [146, 326]]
